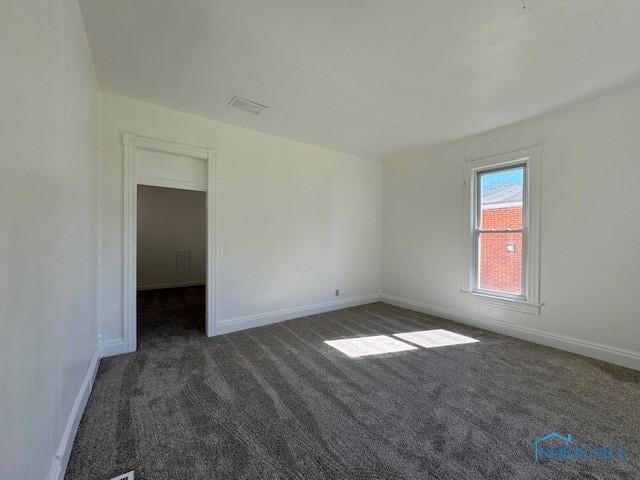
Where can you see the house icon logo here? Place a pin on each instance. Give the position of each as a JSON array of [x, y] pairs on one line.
[[554, 446], [538, 444]]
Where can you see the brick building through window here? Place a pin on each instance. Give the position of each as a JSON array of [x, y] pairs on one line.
[[500, 249]]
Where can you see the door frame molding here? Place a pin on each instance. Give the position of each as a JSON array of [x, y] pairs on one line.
[[132, 143]]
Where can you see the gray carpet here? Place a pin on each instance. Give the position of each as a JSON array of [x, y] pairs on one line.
[[170, 312], [278, 403]]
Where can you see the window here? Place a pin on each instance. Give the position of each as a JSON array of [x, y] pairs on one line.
[[502, 230], [499, 231]]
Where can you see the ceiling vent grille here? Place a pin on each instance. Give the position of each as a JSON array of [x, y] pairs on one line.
[[247, 105]]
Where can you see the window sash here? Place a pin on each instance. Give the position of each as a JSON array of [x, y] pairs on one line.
[[477, 231]]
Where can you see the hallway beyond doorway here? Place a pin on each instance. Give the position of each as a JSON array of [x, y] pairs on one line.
[[170, 312]]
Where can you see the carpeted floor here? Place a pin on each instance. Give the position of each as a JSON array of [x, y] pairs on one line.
[[169, 313], [277, 402]]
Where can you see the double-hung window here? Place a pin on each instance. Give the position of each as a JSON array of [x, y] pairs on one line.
[[502, 218]]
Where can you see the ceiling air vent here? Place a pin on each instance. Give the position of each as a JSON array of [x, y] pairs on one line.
[[247, 105]]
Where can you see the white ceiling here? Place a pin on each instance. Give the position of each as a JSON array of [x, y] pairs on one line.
[[369, 77]]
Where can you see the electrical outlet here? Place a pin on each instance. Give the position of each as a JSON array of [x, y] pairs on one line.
[[337, 292], [183, 260]]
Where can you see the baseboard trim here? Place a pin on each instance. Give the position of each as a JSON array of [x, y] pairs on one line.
[[607, 353], [267, 318], [112, 347], [162, 286], [60, 460]]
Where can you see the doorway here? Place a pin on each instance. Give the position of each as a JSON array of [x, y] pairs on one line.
[[171, 263], [153, 168]]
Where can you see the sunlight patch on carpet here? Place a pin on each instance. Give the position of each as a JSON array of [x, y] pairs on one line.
[[435, 338], [363, 346]]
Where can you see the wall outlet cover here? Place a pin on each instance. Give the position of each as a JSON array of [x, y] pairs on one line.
[[183, 260]]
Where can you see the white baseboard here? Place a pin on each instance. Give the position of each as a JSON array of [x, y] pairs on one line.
[[112, 347], [261, 319], [607, 353], [59, 463], [162, 286], [116, 346]]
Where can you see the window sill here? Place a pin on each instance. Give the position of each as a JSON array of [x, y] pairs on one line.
[[515, 305]]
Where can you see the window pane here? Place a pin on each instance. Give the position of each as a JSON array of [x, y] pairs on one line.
[[500, 262], [501, 199]]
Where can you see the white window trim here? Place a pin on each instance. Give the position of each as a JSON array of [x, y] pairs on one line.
[[530, 300]]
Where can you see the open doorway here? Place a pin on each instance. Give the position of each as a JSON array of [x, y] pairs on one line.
[[173, 166], [171, 263]]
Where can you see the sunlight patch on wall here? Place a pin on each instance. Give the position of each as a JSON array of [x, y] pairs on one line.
[[363, 346], [435, 338]]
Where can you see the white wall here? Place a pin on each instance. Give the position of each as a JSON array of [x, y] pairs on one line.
[[171, 220], [590, 280], [293, 222], [49, 135]]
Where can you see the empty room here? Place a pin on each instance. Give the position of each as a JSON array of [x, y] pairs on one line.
[[298, 239], [171, 261]]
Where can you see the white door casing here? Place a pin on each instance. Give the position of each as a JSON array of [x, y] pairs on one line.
[[149, 161]]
